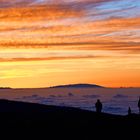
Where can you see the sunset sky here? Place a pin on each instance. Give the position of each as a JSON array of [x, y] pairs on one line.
[[51, 42]]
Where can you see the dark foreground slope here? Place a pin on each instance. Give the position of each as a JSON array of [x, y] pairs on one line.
[[52, 119]]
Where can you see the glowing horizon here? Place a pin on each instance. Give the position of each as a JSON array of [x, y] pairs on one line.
[[48, 42]]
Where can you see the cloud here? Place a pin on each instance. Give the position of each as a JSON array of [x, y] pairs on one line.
[[37, 13], [48, 2], [91, 96], [110, 34], [120, 96], [64, 18], [70, 94], [48, 58]]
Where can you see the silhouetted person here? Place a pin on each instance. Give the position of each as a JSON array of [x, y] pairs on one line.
[[139, 105], [98, 106], [129, 111]]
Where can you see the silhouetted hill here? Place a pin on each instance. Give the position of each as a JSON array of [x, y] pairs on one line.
[[59, 121], [5, 88], [78, 86], [24, 107]]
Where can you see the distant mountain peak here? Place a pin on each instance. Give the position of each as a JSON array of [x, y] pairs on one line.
[[78, 86]]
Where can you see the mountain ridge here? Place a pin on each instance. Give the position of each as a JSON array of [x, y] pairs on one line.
[[80, 85]]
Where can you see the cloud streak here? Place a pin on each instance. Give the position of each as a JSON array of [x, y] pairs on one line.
[[48, 58]]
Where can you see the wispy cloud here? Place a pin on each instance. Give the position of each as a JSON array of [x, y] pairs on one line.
[[48, 58], [64, 24]]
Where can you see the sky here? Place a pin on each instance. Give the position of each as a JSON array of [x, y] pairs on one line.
[[49, 42]]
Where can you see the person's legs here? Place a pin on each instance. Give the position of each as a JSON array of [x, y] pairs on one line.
[[98, 111]]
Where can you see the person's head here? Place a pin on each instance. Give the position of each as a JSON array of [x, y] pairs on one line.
[[98, 100]]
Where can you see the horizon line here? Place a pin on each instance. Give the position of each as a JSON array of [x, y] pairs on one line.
[[51, 86]]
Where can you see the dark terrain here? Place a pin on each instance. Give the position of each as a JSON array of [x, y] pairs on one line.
[[78, 86], [32, 118]]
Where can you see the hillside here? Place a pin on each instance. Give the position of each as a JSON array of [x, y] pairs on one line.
[[31, 116]]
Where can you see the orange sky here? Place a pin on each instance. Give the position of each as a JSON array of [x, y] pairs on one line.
[[46, 42]]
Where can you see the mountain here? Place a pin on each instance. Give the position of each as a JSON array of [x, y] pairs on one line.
[[78, 86]]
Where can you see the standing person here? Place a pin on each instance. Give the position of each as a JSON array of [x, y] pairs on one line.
[[98, 106], [139, 105], [129, 111]]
